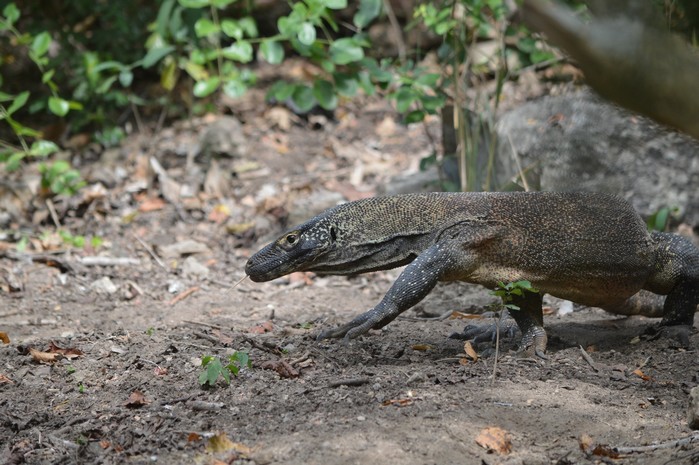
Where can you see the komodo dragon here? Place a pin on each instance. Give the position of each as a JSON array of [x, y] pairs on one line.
[[589, 248]]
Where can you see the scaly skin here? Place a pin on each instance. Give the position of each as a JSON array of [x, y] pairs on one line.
[[589, 248]]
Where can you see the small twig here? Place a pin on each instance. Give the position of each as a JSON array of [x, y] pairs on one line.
[[588, 359], [397, 30], [52, 212], [208, 325], [660, 445], [183, 295], [497, 348], [515, 156], [643, 364], [209, 338], [338, 383], [108, 261], [151, 252]]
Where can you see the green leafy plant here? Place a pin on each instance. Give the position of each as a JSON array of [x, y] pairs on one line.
[[215, 368], [508, 291], [58, 177], [660, 220]]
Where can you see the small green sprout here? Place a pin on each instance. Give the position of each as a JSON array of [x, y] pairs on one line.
[[215, 368]]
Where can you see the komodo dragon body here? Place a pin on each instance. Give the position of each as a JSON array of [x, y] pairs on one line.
[[589, 248]]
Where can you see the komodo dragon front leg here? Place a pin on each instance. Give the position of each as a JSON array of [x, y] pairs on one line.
[[412, 285]]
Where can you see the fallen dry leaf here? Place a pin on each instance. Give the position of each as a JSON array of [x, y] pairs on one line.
[[192, 437], [641, 375], [159, 371], [282, 367], [44, 357], [470, 351], [5, 380], [69, 353], [421, 347], [264, 327], [224, 339], [220, 213], [398, 402], [4, 337], [588, 446], [136, 399], [151, 204], [465, 316], [221, 443], [495, 439]]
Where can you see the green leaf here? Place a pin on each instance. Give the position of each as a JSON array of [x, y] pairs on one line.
[[156, 54], [4, 97], [428, 79], [41, 44], [307, 33], [126, 77], [194, 3], [281, 91], [42, 148], [46, 77], [168, 76], [204, 27], [336, 4], [195, 70], [18, 102], [13, 162], [368, 10], [346, 85], [432, 103], [11, 13], [249, 26], [303, 98], [324, 93], [414, 116], [404, 98], [232, 29], [272, 51], [346, 50], [206, 87], [239, 51], [234, 88], [58, 106]]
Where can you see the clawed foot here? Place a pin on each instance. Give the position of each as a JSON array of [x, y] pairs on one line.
[[677, 333], [533, 343], [355, 328], [488, 332]]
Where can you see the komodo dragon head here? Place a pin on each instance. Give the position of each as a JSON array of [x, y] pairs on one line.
[[341, 241]]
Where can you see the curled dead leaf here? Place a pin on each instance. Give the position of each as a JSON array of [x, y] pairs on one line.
[[4, 337], [193, 437], [44, 357], [69, 353], [470, 351], [282, 367], [5, 380], [495, 439], [264, 327], [136, 399], [641, 375], [588, 446]]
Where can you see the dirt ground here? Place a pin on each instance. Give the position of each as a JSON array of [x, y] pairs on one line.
[[406, 394]]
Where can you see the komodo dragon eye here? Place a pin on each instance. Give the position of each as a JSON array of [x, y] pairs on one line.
[[291, 238]]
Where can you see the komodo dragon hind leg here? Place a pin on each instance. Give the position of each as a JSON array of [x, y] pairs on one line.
[[530, 319]]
